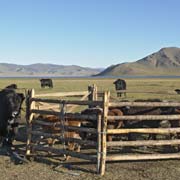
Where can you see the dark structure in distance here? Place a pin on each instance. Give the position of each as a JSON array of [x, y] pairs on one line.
[[120, 84]]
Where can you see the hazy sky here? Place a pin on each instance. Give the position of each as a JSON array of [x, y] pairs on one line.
[[91, 33]]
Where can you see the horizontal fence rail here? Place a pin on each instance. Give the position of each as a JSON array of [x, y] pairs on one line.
[[63, 94], [145, 104], [142, 157], [144, 130], [92, 103], [143, 143], [145, 117]]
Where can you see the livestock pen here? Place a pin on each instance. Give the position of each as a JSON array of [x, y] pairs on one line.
[[101, 145], [63, 109]]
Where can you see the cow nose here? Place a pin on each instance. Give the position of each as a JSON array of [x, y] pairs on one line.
[[14, 114]]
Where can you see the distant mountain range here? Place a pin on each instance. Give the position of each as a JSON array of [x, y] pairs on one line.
[[164, 62], [45, 70]]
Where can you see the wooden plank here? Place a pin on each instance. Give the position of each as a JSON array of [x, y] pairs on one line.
[[145, 131], [130, 157], [145, 117], [29, 118], [94, 103], [145, 104], [92, 93], [104, 130], [66, 152], [143, 143], [99, 123], [62, 94]]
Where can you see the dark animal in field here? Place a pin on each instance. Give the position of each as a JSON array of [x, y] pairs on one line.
[[120, 84], [46, 82], [177, 91], [10, 107], [11, 86], [112, 124], [53, 129]]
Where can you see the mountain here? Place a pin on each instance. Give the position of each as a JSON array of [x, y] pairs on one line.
[[164, 62], [7, 70]]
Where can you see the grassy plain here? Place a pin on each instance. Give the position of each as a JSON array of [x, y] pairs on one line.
[[81, 84], [143, 170]]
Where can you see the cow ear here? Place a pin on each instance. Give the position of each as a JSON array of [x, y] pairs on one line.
[[21, 95]]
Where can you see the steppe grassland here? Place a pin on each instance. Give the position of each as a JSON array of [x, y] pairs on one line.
[[103, 84]]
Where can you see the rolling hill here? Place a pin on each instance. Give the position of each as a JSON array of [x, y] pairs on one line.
[[164, 62], [9, 70]]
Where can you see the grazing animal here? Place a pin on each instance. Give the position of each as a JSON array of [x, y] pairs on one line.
[[46, 82], [53, 129], [120, 84], [10, 107], [177, 91]]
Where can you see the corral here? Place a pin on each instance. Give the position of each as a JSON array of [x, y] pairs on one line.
[[103, 150]]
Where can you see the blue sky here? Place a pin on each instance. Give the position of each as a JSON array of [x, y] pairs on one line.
[[91, 33]]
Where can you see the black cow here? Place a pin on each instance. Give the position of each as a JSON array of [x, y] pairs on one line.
[[149, 111], [10, 107], [120, 84], [11, 86], [46, 82], [177, 91]]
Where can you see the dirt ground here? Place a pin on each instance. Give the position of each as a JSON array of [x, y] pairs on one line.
[[46, 169], [161, 170]]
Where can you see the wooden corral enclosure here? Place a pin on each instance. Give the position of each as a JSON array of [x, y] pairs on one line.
[[101, 146], [63, 109]]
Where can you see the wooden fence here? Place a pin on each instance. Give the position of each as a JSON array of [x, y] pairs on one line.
[[101, 145], [35, 104], [120, 157]]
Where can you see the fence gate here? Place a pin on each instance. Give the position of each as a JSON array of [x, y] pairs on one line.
[[62, 127]]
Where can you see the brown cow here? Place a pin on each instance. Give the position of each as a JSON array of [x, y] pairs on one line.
[[54, 129]]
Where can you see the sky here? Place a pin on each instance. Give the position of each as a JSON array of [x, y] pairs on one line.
[[88, 33]]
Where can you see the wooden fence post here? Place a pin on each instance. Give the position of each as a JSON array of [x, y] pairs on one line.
[[29, 117], [99, 123], [104, 131], [92, 93]]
